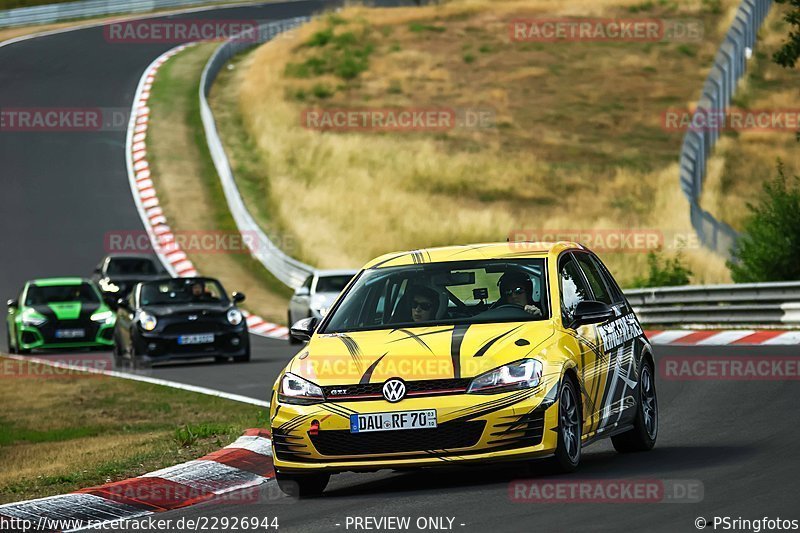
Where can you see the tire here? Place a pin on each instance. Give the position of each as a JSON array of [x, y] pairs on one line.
[[302, 485], [570, 424], [292, 340], [645, 427], [243, 358]]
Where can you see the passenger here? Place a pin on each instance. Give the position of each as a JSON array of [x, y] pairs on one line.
[[424, 303]]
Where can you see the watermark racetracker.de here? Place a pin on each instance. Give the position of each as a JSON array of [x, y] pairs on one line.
[[63, 119], [396, 119], [188, 241], [606, 240], [733, 119], [594, 29], [624, 491], [729, 368]]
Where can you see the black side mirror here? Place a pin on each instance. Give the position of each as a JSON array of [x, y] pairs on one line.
[[591, 312], [13, 303], [238, 297], [122, 303], [303, 329]]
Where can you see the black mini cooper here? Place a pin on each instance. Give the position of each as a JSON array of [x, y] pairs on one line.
[[180, 318]]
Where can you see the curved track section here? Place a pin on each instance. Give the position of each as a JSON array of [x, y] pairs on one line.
[[62, 192]]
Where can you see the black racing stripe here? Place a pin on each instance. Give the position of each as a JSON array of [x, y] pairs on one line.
[[368, 374], [446, 330], [455, 347], [398, 256], [472, 248], [483, 349], [484, 405], [352, 348], [411, 335], [511, 400], [295, 422], [338, 410]]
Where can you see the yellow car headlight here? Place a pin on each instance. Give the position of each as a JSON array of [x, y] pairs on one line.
[[524, 374]]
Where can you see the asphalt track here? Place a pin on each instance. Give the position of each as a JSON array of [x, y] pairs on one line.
[[62, 192]]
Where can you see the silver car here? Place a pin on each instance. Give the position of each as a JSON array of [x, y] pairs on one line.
[[315, 296]]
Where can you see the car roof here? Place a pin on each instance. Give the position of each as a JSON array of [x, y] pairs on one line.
[[474, 252], [57, 282], [328, 273]]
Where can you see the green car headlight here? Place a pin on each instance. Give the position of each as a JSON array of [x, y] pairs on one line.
[[106, 317], [32, 318]]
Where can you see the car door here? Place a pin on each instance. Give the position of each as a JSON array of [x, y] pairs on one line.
[[299, 305], [586, 342], [617, 338]]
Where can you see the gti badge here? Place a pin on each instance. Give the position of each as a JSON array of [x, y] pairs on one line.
[[394, 390]]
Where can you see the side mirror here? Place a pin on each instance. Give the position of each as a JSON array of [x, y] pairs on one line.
[[591, 312], [238, 297], [13, 303], [303, 329], [97, 270], [122, 303], [302, 291]]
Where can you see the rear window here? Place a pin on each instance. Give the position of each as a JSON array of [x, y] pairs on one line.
[[83, 293]]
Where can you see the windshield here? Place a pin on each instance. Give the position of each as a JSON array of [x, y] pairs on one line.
[[470, 292], [182, 291], [83, 293], [131, 266], [333, 283]]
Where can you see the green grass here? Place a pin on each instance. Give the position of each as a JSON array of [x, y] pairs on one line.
[[77, 431]]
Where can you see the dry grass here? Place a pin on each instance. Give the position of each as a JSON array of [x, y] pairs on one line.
[[61, 432], [187, 184], [578, 141], [744, 160]]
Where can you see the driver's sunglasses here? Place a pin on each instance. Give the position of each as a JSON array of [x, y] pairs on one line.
[[425, 306], [515, 290]]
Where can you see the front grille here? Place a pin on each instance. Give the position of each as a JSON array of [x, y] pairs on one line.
[[49, 328], [450, 436], [430, 387]]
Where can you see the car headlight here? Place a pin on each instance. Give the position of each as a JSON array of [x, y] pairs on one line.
[[33, 319], [103, 316], [524, 374], [297, 390], [148, 321], [235, 317]]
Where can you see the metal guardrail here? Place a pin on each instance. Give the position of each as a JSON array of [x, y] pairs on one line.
[[49, 13], [720, 86], [776, 304], [288, 270]]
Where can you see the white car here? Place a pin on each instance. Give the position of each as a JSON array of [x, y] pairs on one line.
[[315, 296]]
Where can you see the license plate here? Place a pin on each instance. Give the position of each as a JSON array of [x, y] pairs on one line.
[[205, 338], [393, 421], [70, 333]]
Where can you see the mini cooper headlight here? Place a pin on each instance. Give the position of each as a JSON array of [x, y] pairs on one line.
[[235, 317], [148, 321], [524, 374], [297, 390]]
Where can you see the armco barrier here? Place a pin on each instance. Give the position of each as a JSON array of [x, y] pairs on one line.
[[49, 13], [288, 270], [720, 86], [763, 304]]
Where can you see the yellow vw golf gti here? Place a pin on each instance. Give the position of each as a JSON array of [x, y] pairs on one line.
[[460, 355]]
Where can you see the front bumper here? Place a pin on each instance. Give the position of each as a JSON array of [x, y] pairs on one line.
[[157, 347], [97, 335], [471, 429]]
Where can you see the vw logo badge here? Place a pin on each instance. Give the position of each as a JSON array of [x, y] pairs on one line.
[[394, 390], [192, 317]]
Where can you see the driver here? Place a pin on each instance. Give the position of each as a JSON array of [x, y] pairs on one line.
[[199, 291], [516, 288], [424, 303]]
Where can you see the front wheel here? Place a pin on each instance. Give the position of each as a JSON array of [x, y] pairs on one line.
[[645, 428], [568, 448], [302, 485]]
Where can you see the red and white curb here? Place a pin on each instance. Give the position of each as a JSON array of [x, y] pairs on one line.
[[145, 196], [740, 337], [219, 476]]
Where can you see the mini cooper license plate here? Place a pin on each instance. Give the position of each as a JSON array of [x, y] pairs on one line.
[[206, 338], [393, 421], [70, 333]]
